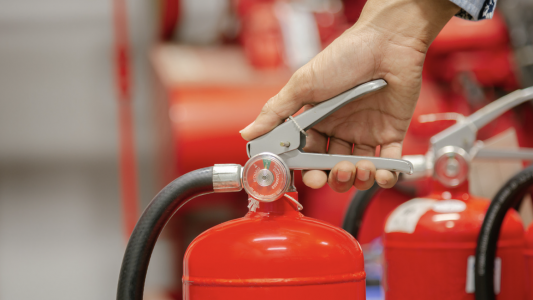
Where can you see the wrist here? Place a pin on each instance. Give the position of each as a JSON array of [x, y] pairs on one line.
[[411, 23]]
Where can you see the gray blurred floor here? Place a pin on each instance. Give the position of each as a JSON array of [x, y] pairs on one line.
[[60, 226]]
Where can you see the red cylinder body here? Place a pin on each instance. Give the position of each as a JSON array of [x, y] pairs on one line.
[[274, 253], [528, 256], [429, 249]]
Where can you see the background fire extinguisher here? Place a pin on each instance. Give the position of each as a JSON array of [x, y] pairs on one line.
[[429, 242], [429, 247]]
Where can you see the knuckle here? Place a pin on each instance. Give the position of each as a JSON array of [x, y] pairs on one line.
[[365, 148], [302, 83], [339, 142], [266, 108]]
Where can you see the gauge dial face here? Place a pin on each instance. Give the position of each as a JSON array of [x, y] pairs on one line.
[[266, 177]]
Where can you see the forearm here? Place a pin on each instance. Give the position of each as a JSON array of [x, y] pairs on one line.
[[411, 23]]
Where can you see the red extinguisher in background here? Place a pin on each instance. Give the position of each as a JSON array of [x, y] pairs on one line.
[[430, 242], [274, 251]]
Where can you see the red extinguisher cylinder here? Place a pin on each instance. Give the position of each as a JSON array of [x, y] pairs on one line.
[[430, 245], [274, 253]]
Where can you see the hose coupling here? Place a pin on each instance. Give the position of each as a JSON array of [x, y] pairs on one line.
[[227, 178]]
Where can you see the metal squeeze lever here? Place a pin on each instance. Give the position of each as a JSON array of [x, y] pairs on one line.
[[457, 145], [463, 134], [288, 139], [266, 176]]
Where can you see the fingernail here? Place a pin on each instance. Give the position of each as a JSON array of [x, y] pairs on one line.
[[344, 176], [250, 125], [363, 175], [382, 182]]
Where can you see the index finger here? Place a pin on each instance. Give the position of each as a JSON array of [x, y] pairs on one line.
[[295, 94]]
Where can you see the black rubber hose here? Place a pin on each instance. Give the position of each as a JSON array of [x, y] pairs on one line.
[[506, 198], [353, 219], [357, 208], [142, 241]]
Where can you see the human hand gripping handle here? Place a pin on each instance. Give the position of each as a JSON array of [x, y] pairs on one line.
[[288, 139], [389, 41]]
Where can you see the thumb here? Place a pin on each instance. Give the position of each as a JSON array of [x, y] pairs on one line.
[[295, 94]]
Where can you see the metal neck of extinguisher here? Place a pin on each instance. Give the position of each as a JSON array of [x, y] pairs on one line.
[[288, 207]]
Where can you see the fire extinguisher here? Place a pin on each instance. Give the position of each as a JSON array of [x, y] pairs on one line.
[[508, 197], [273, 251], [429, 242]]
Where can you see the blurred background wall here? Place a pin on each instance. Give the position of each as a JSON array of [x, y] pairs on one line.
[[61, 235]]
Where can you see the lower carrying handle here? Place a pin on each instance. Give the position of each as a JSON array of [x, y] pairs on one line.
[[297, 160]]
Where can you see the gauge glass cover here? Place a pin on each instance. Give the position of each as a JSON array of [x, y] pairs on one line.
[[266, 177]]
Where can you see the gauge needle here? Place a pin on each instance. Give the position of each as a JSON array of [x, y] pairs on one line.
[[266, 163]]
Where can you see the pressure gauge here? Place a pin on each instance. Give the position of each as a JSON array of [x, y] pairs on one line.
[[266, 177], [451, 166]]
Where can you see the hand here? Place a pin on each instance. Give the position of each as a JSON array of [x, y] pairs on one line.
[[389, 41]]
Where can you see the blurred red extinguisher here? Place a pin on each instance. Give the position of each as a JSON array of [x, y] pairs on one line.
[[169, 12], [278, 33], [430, 242]]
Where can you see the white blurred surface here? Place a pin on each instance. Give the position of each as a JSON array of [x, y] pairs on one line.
[[60, 227]]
